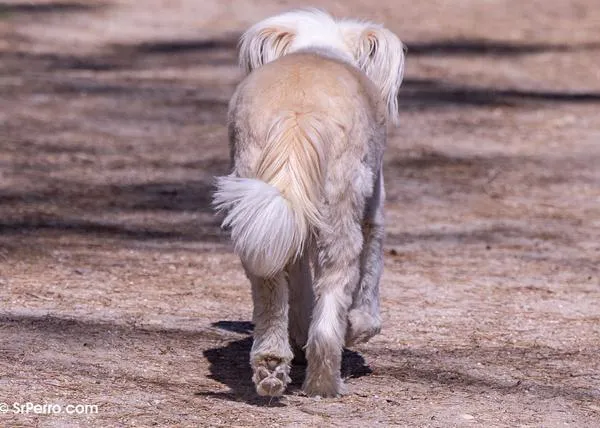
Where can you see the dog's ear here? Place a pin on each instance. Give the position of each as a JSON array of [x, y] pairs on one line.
[[380, 54], [263, 43]]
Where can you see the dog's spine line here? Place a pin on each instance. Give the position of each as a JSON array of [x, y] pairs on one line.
[[294, 162]]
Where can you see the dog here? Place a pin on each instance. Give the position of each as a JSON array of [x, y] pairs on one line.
[[304, 202]]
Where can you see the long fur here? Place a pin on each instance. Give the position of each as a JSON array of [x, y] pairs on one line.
[[305, 198], [271, 215], [380, 52]]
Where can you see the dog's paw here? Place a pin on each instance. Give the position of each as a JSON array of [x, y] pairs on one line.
[[361, 327], [318, 386], [271, 376]]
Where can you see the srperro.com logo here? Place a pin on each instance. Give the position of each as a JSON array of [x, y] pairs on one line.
[[48, 408]]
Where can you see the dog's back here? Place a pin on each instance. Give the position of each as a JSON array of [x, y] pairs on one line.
[[307, 82]]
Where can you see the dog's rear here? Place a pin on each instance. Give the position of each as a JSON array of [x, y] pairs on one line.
[[307, 130], [288, 119]]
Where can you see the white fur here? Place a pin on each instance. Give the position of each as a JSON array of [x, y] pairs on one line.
[[290, 32], [305, 198], [263, 224]]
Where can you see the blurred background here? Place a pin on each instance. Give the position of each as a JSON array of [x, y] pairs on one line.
[[118, 288]]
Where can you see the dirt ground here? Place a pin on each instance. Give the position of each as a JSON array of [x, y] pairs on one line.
[[118, 289]]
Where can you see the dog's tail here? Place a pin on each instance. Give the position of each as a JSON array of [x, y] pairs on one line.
[[272, 215]]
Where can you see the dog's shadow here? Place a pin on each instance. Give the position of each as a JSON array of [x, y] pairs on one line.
[[230, 366]]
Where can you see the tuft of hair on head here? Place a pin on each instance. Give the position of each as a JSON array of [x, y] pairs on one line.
[[273, 37]]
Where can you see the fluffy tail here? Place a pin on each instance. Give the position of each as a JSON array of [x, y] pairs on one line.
[[271, 216]]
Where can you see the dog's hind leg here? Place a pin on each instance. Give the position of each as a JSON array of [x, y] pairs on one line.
[[336, 276], [301, 304], [271, 354], [364, 320]]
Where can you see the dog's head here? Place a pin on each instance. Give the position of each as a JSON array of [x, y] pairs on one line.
[[370, 47]]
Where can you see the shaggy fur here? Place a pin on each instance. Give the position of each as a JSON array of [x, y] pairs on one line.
[[305, 199]]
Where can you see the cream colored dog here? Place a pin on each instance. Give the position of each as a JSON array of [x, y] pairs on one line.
[[305, 199]]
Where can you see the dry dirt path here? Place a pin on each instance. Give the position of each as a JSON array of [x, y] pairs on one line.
[[118, 289]]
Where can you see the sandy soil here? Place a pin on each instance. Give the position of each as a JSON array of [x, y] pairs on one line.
[[118, 289]]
